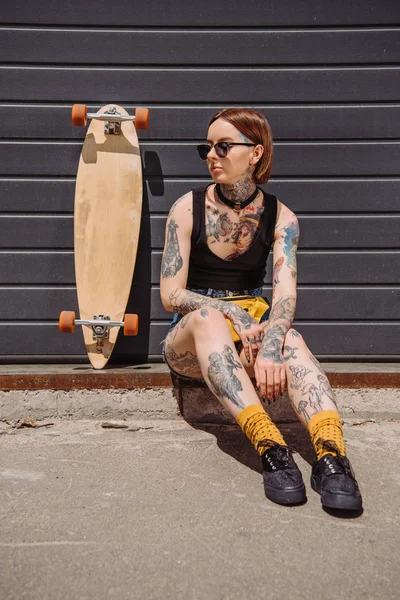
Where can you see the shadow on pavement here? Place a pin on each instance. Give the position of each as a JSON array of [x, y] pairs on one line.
[[231, 440], [343, 514]]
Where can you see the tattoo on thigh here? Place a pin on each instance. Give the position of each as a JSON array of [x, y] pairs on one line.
[[289, 353], [187, 363], [184, 321], [294, 333], [204, 312], [172, 335], [180, 325], [223, 381]]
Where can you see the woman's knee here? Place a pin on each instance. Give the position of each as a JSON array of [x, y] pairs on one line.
[[208, 317], [293, 339], [294, 334]]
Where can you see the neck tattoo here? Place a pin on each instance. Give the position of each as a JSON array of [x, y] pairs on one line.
[[240, 190], [237, 203]]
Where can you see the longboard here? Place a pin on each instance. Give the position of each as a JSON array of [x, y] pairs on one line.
[[107, 214]]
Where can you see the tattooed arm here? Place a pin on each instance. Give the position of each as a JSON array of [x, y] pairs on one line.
[[284, 279], [269, 368], [175, 259]]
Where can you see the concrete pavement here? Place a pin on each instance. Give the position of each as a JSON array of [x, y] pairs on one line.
[[166, 510]]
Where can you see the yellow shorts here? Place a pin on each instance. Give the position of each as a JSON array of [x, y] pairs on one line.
[[255, 306]]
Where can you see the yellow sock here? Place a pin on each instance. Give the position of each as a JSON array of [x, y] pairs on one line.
[[259, 428], [326, 426]]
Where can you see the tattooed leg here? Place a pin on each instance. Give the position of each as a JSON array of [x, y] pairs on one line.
[[308, 387], [181, 325], [222, 381], [313, 401], [289, 352], [201, 345], [186, 363], [325, 388]]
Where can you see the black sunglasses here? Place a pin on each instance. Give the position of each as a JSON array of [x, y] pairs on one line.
[[221, 148]]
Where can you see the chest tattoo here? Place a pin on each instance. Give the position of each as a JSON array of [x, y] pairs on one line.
[[218, 225], [239, 234]]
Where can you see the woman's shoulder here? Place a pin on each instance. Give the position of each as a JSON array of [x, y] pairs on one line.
[[182, 205], [284, 215], [181, 214]]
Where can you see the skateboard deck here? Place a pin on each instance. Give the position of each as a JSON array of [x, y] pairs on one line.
[[108, 205]]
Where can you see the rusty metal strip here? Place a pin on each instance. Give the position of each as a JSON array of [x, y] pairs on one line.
[[112, 380]]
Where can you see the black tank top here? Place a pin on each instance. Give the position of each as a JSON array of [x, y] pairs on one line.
[[247, 271]]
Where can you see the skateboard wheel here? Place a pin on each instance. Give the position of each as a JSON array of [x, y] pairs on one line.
[[131, 324], [66, 321], [79, 112], [141, 118]]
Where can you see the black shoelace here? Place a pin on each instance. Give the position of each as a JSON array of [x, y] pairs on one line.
[[282, 453], [337, 464]]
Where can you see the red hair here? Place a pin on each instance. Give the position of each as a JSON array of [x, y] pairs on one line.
[[256, 128]]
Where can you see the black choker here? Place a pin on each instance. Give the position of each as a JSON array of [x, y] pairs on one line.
[[237, 206]]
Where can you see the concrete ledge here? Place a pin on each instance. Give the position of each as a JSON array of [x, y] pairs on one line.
[[195, 405], [200, 406], [82, 377], [363, 391], [159, 403]]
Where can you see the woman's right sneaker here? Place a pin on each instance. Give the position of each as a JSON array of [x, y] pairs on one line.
[[283, 482]]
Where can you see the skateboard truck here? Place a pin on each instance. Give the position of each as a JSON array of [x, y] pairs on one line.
[[100, 325], [112, 127], [100, 332], [111, 117]]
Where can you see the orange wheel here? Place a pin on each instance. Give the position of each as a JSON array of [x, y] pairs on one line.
[[66, 321], [79, 112], [141, 118], [131, 325]]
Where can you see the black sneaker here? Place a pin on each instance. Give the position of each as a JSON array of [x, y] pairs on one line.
[[283, 482], [333, 478]]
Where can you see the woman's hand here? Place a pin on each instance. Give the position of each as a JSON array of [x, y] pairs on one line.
[[251, 333], [269, 368]]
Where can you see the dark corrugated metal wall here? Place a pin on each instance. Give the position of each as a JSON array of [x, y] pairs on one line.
[[326, 74]]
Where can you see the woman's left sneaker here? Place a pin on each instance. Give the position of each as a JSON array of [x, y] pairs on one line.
[[333, 478]]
